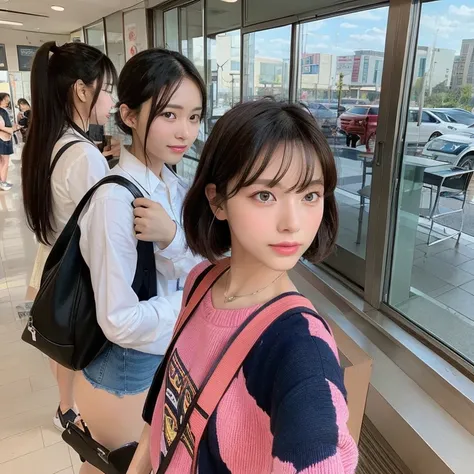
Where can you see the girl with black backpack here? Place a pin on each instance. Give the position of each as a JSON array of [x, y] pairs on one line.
[[70, 88]]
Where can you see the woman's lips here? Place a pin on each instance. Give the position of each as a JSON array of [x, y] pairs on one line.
[[286, 248], [177, 149]]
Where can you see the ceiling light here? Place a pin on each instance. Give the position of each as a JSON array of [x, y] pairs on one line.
[[230, 1], [57, 8], [11, 23]]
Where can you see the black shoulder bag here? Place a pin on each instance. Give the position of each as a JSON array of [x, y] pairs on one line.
[[63, 323]]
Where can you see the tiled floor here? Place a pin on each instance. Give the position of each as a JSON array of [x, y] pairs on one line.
[[29, 443]]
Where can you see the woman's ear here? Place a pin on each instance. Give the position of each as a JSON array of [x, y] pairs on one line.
[[80, 90], [217, 208], [129, 116]]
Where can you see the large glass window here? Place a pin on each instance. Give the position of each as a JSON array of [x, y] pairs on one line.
[[192, 39], [172, 29], [115, 44], [183, 32], [77, 36], [432, 273], [95, 36], [223, 21], [340, 82], [224, 60], [267, 63]]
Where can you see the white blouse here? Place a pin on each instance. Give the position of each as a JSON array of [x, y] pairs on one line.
[[78, 169], [109, 247]]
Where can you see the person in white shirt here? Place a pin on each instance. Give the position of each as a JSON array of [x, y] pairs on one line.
[[162, 100], [70, 88]]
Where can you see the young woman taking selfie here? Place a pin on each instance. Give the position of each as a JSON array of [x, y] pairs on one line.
[[70, 88], [264, 190], [161, 101]]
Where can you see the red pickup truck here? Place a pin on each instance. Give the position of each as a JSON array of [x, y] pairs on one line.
[[360, 123]]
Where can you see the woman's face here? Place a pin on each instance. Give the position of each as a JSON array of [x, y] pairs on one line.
[[101, 111], [6, 102], [174, 131], [274, 226]]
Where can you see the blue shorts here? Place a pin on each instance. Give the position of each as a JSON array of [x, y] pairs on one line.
[[122, 371]]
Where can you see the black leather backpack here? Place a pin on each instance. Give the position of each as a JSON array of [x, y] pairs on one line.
[[63, 323]]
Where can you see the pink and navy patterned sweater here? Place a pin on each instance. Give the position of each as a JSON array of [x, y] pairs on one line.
[[284, 413]]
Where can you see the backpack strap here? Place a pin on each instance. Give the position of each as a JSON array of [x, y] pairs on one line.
[[61, 152], [202, 285], [232, 357], [144, 283], [202, 288]]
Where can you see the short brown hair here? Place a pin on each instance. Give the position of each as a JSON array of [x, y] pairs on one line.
[[234, 151]]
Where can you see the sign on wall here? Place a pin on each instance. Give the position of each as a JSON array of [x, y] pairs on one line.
[[25, 56], [3, 58]]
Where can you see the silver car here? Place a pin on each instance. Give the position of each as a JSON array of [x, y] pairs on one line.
[[455, 149]]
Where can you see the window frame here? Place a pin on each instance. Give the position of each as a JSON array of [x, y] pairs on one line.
[[396, 72]]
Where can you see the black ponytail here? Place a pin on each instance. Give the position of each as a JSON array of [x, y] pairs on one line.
[[54, 72]]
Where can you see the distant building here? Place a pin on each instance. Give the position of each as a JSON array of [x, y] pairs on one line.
[[344, 65], [367, 68], [436, 64], [317, 69], [464, 65]]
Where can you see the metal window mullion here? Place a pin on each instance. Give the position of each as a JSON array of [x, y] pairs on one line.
[[294, 62], [403, 17]]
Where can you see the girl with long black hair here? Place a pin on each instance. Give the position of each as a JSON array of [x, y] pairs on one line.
[[71, 87]]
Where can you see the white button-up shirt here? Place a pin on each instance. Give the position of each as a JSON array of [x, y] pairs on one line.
[[109, 247], [78, 169]]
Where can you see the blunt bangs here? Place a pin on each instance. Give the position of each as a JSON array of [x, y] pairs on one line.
[[240, 147]]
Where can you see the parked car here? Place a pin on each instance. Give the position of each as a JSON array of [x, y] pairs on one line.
[[359, 123], [326, 115], [431, 126], [455, 149], [454, 115]]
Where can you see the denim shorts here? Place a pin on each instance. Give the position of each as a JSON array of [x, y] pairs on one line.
[[122, 371]]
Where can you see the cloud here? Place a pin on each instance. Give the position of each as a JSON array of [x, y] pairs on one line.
[[280, 41], [348, 26], [314, 26], [372, 35], [315, 47], [443, 26], [463, 11]]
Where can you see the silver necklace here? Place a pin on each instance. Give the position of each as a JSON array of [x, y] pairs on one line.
[[230, 299]]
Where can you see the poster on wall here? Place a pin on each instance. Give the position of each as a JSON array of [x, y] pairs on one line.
[[131, 40], [25, 56], [3, 58]]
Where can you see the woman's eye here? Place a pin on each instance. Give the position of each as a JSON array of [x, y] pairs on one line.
[[169, 115], [311, 197], [195, 118], [264, 196]]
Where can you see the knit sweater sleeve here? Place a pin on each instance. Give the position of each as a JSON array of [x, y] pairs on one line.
[[306, 401]]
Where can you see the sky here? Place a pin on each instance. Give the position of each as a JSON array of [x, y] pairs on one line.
[[443, 23]]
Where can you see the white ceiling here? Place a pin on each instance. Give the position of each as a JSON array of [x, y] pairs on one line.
[[77, 13]]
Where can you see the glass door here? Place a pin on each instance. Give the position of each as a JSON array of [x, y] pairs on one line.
[[183, 32], [266, 65], [432, 263], [95, 36], [340, 81]]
